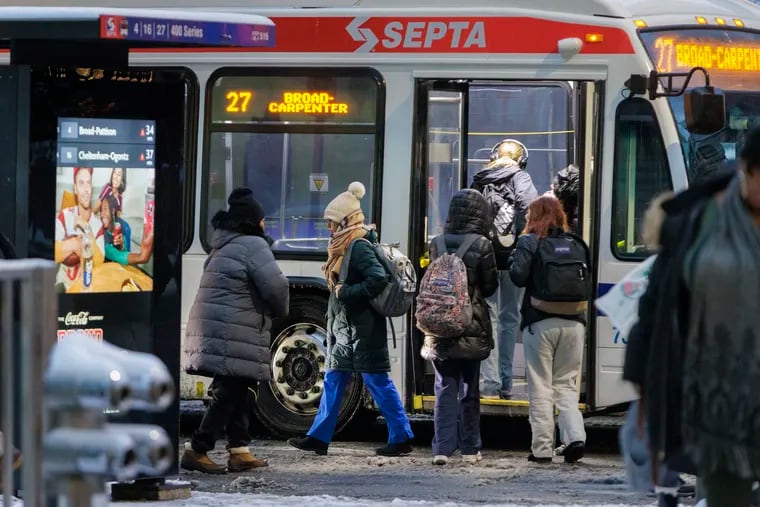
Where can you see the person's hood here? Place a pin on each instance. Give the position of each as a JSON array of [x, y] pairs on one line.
[[498, 174], [469, 213], [221, 237]]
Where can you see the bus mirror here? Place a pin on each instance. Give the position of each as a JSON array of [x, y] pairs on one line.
[[705, 110]]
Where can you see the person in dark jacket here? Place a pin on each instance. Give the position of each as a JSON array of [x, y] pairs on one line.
[[457, 360], [553, 342], [503, 180], [694, 353], [241, 290], [357, 336], [567, 190]]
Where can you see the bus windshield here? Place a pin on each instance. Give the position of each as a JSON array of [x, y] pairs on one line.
[[732, 58]]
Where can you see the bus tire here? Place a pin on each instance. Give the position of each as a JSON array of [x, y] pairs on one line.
[[286, 405]]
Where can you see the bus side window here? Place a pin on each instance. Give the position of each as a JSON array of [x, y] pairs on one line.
[[640, 174]]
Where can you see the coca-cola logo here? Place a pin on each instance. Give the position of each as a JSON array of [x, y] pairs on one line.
[[79, 319]]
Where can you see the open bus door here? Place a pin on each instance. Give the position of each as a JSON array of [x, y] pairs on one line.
[[458, 122], [440, 153], [96, 154]]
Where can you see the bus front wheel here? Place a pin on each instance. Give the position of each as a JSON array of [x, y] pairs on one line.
[[286, 405]]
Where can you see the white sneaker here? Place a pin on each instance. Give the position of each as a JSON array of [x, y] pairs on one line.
[[440, 460], [472, 458]]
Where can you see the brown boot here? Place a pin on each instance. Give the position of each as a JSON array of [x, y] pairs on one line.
[[242, 460], [200, 462]]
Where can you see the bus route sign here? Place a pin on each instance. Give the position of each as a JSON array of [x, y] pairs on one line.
[[203, 33]]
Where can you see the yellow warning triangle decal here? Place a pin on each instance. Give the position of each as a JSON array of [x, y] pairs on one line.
[[318, 182]]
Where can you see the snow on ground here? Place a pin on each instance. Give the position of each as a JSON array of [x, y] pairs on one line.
[[202, 499]]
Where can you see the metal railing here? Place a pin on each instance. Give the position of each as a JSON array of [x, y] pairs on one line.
[[28, 323]]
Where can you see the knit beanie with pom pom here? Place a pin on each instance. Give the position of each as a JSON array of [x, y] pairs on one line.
[[346, 203]]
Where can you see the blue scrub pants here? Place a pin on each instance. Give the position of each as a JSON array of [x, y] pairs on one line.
[[383, 391]]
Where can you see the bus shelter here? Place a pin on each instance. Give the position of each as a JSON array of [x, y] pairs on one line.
[[96, 154]]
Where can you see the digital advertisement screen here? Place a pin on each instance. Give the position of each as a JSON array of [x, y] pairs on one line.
[[105, 202]]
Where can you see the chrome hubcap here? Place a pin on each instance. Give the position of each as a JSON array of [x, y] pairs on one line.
[[298, 367]]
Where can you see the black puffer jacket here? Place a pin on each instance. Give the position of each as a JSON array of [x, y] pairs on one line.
[[241, 290], [468, 214], [506, 183], [568, 191]]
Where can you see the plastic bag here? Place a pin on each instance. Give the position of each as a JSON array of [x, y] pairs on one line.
[[621, 303]]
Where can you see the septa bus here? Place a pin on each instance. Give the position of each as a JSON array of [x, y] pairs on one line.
[[409, 97]]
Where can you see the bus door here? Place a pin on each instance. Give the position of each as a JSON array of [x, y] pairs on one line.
[[640, 172], [439, 172], [458, 122]]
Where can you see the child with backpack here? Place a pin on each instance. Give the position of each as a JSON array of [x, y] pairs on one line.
[[453, 313], [554, 267], [356, 331]]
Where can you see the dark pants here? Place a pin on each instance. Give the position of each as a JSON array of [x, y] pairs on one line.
[[457, 407], [230, 407]]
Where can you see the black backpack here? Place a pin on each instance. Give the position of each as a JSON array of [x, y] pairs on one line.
[[561, 275], [504, 215]]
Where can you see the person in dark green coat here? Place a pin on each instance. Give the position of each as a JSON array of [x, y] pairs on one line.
[[357, 336], [361, 343]]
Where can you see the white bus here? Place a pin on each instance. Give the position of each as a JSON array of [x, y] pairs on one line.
[[408, 97]]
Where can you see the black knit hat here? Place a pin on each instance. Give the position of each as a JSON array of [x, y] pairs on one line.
[[243, 205]]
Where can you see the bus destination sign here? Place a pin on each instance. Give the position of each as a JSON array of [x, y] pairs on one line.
[[674, 54], [300, 99], [208, 33]]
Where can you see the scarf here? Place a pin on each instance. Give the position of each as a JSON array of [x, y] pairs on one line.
[[722, 357], [354, 228]]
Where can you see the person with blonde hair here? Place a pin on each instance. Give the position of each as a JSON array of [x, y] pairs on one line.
[[357, 339], [509, 190]]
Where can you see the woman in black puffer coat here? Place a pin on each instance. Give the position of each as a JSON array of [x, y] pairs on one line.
[[457, 360], [242, 289]]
